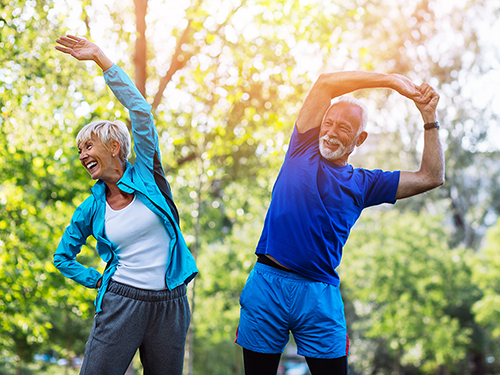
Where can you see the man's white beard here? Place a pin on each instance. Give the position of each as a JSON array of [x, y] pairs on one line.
[[339, 152]]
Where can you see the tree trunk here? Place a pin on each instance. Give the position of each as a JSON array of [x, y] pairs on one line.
[[140, 57], [194, 250], [19, 361], [189, 349]]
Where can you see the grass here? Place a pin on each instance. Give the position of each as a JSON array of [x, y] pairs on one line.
[[37, 368]]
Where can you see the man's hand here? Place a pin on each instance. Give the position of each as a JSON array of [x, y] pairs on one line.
[[406, 88], [83, 50], [428, 105]]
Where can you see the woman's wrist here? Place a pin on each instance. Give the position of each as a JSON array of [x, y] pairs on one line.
[[102, 60]]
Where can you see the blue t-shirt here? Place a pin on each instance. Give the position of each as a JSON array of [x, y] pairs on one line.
[[314, 205]]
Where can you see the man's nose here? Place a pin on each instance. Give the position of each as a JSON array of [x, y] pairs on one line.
[[332, 132]]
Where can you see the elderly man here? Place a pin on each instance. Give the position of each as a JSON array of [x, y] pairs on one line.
[[316, 200]]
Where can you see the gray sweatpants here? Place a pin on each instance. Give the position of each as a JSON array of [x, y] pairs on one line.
[[155, 322]]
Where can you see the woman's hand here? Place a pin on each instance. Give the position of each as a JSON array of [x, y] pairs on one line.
[[83, 50]]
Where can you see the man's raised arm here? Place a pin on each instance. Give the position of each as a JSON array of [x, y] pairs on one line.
[[431, 172], [332, 85]]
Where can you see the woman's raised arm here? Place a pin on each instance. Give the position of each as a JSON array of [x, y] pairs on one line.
[[82, 49]]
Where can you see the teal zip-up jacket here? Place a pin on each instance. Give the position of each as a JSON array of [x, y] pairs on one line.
[[147, 181]]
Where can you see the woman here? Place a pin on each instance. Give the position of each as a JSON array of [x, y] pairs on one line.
[[141, 302]]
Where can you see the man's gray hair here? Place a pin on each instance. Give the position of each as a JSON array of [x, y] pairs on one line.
[[359, 104], [107, 131]]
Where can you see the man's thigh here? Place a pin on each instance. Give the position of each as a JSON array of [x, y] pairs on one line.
[[263, 326], [318, 321]]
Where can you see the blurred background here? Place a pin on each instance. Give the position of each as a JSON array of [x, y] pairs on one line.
[[226, 79]]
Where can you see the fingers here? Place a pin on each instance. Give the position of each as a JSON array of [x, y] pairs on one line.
[[427, 93], [63, 49], [67, 42], [74, 37]]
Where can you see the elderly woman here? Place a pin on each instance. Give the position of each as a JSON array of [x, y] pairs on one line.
[[141, 302]]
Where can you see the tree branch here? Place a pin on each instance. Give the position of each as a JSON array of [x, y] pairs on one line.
[[179, 60]]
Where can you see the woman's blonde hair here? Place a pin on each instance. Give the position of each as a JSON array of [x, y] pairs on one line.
[[107, 131]]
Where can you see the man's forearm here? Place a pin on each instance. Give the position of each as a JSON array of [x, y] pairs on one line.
[[433, 157], [340, 83], [332, 85]]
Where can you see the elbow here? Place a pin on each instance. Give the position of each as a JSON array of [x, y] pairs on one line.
[[60, 261], [436, 182], [441, 181], [324, 80]]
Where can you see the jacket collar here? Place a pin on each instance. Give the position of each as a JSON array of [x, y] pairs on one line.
[[99, 188]]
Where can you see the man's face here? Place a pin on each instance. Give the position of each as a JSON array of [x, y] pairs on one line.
[[339, 132]]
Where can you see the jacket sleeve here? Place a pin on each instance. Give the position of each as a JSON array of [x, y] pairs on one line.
[[143, 129], [74, 237]]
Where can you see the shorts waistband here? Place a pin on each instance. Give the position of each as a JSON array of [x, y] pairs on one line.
[[261, 267], [146, 295], [261, 258]]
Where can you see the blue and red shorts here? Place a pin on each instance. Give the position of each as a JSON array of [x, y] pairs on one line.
[[275, 303]]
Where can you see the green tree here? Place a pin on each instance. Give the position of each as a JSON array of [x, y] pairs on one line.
[[487, 310], [226, 81], [405, 285], [41, 182]]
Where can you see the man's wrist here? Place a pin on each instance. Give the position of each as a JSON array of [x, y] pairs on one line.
[[431, 125], [429, 117]]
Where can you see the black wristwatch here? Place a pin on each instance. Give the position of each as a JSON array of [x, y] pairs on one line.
[[431, 125]]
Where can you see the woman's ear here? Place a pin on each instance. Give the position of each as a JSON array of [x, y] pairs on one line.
[[115, 148]]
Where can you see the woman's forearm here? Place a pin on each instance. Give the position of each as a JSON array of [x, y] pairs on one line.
[[102, 60]]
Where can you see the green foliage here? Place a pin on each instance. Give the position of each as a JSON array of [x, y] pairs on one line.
[[224, 123], [406, 285], [486, 273], [224, 266], [41, 183]]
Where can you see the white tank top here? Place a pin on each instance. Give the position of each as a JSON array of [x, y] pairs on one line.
[[143, 245]]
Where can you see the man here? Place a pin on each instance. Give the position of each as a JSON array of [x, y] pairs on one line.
[[316, 200]]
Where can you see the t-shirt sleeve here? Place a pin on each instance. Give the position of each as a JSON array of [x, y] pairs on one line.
[[380, 186], [302, 142]]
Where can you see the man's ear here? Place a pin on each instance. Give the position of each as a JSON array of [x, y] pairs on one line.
[[362, 138]]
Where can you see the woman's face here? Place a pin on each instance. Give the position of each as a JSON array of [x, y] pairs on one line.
[[97, 159]]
